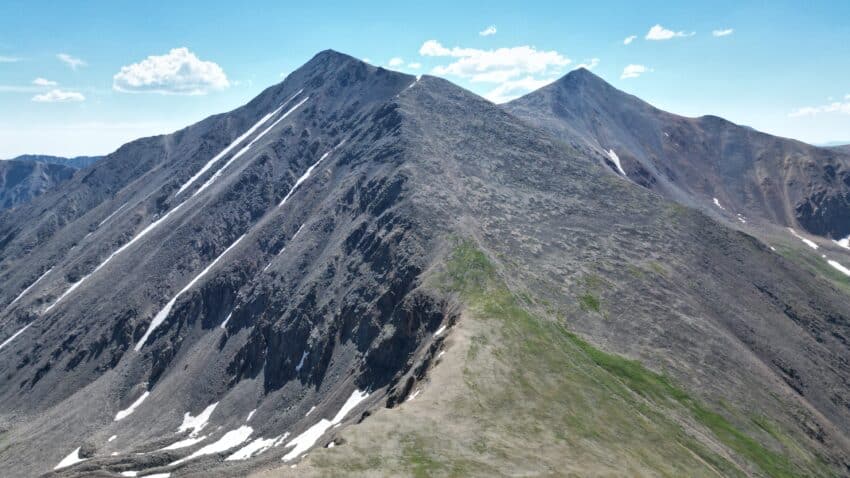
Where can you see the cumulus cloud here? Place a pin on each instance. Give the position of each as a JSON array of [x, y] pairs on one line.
[[660, 33], [509, 90], [629, 39], [178, 72], [491, 30], [588, 64], [723, 33], [71, 61], [634, 71], [495, 66], [43, 82], [396, 61], [58, 96], [414, 65], [834, 107]]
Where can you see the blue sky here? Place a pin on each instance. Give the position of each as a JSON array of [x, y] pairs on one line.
[[782, 68]]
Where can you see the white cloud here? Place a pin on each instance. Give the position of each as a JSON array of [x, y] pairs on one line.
[[634, 71], [71, 61], [495, 66], [43, 82], [9, 59], [660, 33], [367, 60], [847, 97], [414, 65], [629, 39], [491, 30], [178, 72], [510, 90], [396, 61], [834, 107], [58, 96], [723, 33], [588, 64]]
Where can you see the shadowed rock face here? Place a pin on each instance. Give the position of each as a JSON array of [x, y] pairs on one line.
[[282, 298], [694, 160], [21, 181]]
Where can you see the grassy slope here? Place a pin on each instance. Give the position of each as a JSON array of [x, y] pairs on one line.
[[518, 394]]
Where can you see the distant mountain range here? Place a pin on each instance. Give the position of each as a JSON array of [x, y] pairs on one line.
[[30, 175], [76, 162], [362, 272]]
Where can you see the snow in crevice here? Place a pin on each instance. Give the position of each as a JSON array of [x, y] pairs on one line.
[[113, 214], [132, 241], [14, 336], [29, 287], [226, 319], [839, 267], [198, 423], [132, 408], [440, 331], [301, 362], [307, 174], [184, 443], [232, 145], [717, 203], [806, 241], [309, 437], [311, 410], [616, 160], [244, 150], [229, 440], [251, 414], [283, 249], [845, 243], [252, 449], [163, 314], [741, 218], [414, 395], [72, 459], [112, 438], [130, 473]]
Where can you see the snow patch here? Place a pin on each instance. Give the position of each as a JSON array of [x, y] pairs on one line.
[[251, 414], [130, 473], [301, 363], [224, 324], [616, 160], [184, 443], [806, 241], [112, 438], [132, 408], [307, 174], [313, 408], [252, 449], [160, 317], [440, 331], [309, 437], [29, 287], [71, 459], [229, 440], [113, 214], [845, 243], [14, 336], [196, 424], [415, 394], [840, 267], [717, 203]]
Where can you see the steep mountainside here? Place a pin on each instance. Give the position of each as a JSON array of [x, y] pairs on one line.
[[77, 162], [397, 255], [21, 181], [704, 162]]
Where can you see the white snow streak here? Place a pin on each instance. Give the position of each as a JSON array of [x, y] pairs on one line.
[[717, 203], [112, 438], [130, 473], [135, 239], [162, 314], [845, 243], [29, 287], [69, 460], [301, 362], [229, 440], [14, 336], [184, 443], [310, 411], [307, 174], [232, 145], [252, 449], [113, 213], [244, 150], [415, 394], [838, 266], [806, 241], [616, 160], [132, 408], [196, 424], [224, 324], [251, 414], [306, 440], [440, 331]]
